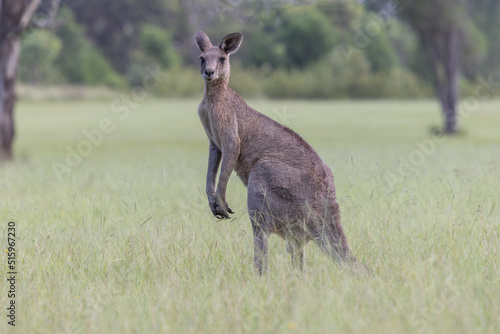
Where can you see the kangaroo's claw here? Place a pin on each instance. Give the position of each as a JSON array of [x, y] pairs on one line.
[[219, 212]]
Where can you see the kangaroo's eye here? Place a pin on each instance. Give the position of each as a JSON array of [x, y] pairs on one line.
[[202, 60], [222, 59]]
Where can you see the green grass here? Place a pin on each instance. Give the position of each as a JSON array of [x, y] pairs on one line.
[[126, 243]]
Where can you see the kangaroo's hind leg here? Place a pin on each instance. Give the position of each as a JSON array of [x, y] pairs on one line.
[[296, 249], [260, 242], [270, 207], [296, 240], [262, 219]]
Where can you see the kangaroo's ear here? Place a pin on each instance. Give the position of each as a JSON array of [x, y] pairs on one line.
[[202, 40], [231, 42]]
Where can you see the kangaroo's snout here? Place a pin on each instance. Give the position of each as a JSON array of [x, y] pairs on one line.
[[209, 73]]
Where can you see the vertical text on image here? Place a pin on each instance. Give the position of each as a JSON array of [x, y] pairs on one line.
[[11, 273]]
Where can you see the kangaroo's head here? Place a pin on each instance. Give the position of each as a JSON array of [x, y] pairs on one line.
[[214, 60]]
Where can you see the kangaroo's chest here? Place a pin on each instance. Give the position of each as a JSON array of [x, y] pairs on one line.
[[208, 117]]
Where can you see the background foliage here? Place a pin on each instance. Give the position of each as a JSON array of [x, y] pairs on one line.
[[330, 50]]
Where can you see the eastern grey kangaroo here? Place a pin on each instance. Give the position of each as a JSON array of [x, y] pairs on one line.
[[290, 189]]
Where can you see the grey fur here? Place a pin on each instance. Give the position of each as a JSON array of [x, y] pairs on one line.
[[291, 191]]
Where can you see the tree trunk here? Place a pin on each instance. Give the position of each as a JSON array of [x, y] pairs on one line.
[[451, 65], [441, 26], [10, 45], [443, 51]]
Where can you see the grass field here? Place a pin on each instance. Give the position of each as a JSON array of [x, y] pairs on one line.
[[124, 241]]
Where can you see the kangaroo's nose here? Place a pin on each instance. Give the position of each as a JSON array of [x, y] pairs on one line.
[[209, 72]]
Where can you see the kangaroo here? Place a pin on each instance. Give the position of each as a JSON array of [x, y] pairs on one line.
[[290, 189]]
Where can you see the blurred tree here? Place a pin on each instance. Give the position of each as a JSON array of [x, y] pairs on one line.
[[263, 48], [216, 18], [157, 44], [113, 26], [40, 51], [442, 27], [474, 52], [156, 49], [80, 60], [15, 17], [379, 49], [344, 15], [307, 35], [485, 14], [403, 40]]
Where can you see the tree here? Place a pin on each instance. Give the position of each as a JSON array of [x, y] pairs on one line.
[[442, 28], [15, 17], [307, 35], [80, 61], [485, 14], [41, 48], [113, 26]]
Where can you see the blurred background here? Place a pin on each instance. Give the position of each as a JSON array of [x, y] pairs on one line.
[[292, 49], [299, 49]]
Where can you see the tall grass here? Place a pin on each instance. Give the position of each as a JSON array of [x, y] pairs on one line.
[[126, 243]]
